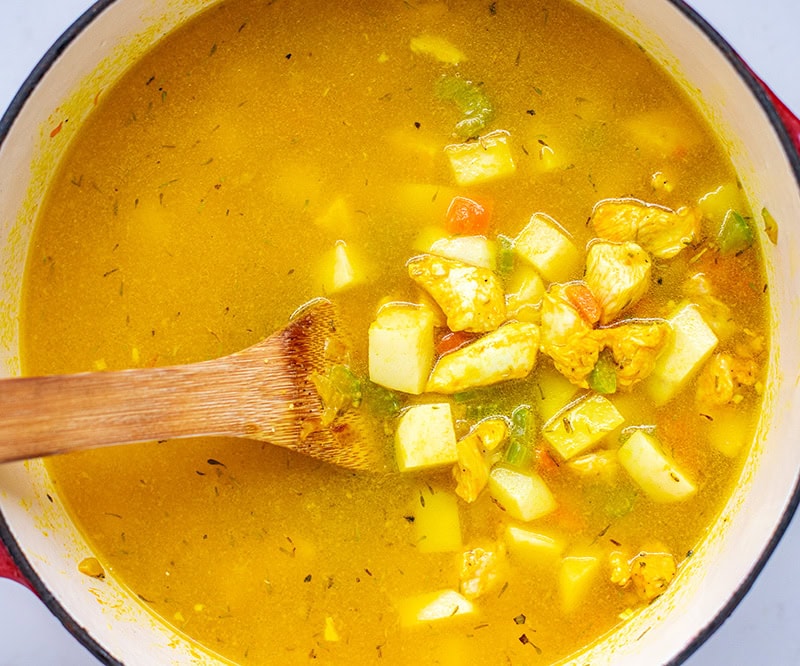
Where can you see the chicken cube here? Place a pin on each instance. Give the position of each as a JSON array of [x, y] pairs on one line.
[[618, 275], [652, 572], [660, 231], [507, 353], [471, 472], [635, 347], [482, 570], [567, 337], [471, 297], [545, 245], [721, 379]]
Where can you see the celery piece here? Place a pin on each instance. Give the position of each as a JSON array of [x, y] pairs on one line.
[[338, 389], [518, 453], [735, 234], [505, 255], [379, 400], [603, 377], [470, 101]]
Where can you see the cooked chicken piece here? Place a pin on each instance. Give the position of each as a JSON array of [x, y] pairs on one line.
[[482, 570], [491, 433], [471, 472], [567, 337], [635, 346], [599, 465], [620, 568], [507, 353], [716, 313], [660, 231], [652, 572], [722, 377], [618, 275], [471, 297]]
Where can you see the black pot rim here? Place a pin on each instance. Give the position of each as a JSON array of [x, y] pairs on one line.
[[84, 636]]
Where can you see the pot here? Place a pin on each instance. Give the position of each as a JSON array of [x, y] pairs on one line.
[[42, 546]]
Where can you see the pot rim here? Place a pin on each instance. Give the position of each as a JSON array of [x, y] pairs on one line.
[[759, 91]]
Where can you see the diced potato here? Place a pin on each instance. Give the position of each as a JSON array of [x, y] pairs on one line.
[[715, 205], [330, 632], [425, 437], [401, 347], [437, 524], [472, 250], [488, 158], [470, 296], [691, 344], [523, 495], [598, 466], [653, 472], [662, 133], [545, 245], [337, 219], [582, 425], [532, 547], [507, 353], [575, 578], [730, 431], [524, 291], [437, 48], [548, 154], [340, 269], [433, 607], [555, 392]]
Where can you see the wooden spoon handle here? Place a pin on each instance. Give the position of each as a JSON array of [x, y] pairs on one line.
[[45, 415]]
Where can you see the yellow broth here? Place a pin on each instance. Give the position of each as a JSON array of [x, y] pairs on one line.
[[189, 220]]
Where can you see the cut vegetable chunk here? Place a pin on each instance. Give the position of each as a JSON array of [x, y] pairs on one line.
[[437, 523], [425, 437], [642, 458], [507, 353], [532, 547], [433, 607], [488, 158], [545, 245], [524, 495], [582, 425], [401, 347], [691, 345], [471, 297], [575, 578], [472, 250], [340, 269], [437, 48]]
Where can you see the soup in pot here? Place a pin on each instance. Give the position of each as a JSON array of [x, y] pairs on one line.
[[553, 296]]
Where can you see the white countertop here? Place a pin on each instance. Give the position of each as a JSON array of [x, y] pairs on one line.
[[762, 631]]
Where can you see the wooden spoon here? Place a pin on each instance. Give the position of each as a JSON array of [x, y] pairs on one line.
[[262, 393]]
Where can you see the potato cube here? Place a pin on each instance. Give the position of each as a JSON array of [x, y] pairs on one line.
[[523, 495], [472, 250], [545, 245], [642, 458], [575, 578], [433, 607], [437, 522], [691, 344], [425, 437], [555, 392], [401, 347], [488, 158], [582, 425], [532, 547]]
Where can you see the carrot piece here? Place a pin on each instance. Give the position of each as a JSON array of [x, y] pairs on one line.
[[452, 340], [545, 464], [467, 216], [584, 301]]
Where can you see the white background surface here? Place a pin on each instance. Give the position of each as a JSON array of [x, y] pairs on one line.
[[763, 631]]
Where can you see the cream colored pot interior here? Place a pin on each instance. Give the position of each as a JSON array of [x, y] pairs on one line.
[[123, 628]]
